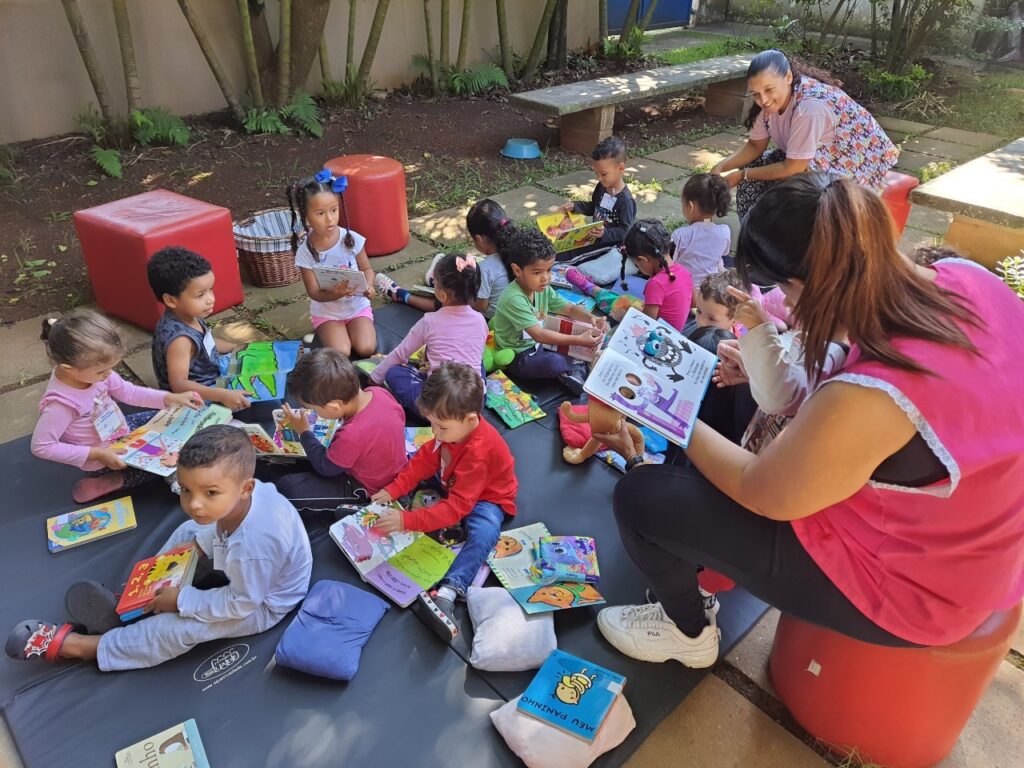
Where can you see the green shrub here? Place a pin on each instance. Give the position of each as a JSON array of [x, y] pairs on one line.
[[888, 86], [157, 126], [1011, 270], [108, 160], [301, 113]]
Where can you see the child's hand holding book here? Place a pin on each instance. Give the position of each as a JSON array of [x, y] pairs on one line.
[[166, 601], [189, 399], [107, 457], [389, 521], [294, 419]]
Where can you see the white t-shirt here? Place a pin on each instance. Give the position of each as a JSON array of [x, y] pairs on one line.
[[700, 247], [493, 280], [800, 130], [339, 256]]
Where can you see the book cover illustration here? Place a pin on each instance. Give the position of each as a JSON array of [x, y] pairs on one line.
[[177, 747], [154, 446], [260, 369], [558, 277], [572, 694], [567, 231], [328, 277], [575, 297], [416, 438], [173, 568], [84, 525], [652, 374], [511, 562], [514, 406], [560, 324], [287, 441], [565, 558]]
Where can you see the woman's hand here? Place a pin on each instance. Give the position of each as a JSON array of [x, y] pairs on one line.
[[191, 400], [749, 313], [718, 168], [730, 370], [620, 441], [733, 178]]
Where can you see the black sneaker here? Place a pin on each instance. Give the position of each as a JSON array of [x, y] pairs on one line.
[[93, 606], [437, 612], [572, 382]]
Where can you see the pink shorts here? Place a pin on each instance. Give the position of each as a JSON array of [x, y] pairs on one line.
[[318, 321]]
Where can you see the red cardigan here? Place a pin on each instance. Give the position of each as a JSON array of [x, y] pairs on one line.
[[481, 469]]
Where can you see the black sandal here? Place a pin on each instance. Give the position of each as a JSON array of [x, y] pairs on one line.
[[35, 639]]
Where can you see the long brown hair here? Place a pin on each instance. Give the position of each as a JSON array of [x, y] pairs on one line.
[[840, 241]]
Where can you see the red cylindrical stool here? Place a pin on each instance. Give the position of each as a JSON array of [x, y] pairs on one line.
[[118, 239], [900, 707], [896, 196], [375, 200]]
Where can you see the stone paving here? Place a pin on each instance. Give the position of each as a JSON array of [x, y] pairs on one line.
[[717, 725]]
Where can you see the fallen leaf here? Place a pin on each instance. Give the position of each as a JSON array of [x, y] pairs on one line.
[[91, 183], [62, 248]]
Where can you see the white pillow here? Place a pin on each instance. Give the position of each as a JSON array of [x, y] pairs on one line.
[[606, 269], [504, 638], [540, 745]]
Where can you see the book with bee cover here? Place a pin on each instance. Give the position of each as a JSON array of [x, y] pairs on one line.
[[173, 568]]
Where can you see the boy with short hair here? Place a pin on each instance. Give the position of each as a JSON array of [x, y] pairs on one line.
[[611, 201], [370, 446], [249, 532], [477, 472], [184, 350]]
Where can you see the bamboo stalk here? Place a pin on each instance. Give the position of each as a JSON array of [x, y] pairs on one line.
[[370, 51], [432, 62], [252, 67], [467, 9], [350, 46], [133, 90], [92, 67], [646, 20], [445, 43], [325, 63], [211, 59], [631, 18], [506, 50], [284, 54], [538, 41], [602, 19]]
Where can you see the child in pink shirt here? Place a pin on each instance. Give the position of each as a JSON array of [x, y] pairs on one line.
[[668, 294], [78, 413], [454, 333]]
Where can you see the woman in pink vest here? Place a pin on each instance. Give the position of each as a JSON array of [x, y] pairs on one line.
[[892, 508]]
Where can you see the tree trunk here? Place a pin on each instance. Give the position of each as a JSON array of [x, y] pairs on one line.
[[874, 29], [309, 18], [551, 60], [325, 61], [562, 49], [370, 51], [646, 20], [132, 89], [261, 33], [92, 67], [350, 45], [602, 19], [630, 22], [211, 59], [827, 26], [431, 61], [445, 43], [506, 50], [252, 67], [538, 41], [467, 10], [284, 53]]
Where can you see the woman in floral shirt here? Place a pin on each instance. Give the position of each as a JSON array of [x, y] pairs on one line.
[[814, 127]]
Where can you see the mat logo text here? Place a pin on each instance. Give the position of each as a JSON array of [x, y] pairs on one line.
[[221, 663]]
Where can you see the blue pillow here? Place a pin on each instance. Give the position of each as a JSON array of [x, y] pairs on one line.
[[327, 636]]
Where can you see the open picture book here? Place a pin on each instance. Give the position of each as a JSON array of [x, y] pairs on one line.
[[285, 441], [328, 277], [260, 369], [567, 231], [653, 375], [154, 446], [560, 324]]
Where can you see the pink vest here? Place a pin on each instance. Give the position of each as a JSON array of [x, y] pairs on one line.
[[930, 564]]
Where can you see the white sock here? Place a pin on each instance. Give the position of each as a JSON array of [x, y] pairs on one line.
[[447, 593]]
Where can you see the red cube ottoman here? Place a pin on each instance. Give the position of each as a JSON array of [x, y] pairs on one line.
[[119, 237], [375, 200], [896, 196]]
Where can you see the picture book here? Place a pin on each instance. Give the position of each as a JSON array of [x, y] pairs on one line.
[[561, 324], [505, 398], [511, 561], [287, 442], [575, 297], [416, 438], [173, 568], [177, 747], [154, 446], [401, 564], [565, 558], [567, 231], [260, 369], [264, 443], [327, 278], [558, 276], [571, 694], [84, 525], [652, 374]]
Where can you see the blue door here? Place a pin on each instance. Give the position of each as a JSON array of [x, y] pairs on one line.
[[668, 13]]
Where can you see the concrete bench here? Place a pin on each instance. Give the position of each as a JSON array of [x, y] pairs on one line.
[[586, 110], [986, 198]]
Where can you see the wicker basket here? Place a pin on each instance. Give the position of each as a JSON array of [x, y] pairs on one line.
[[264, 248]]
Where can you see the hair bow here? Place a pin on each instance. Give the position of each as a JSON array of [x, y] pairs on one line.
[[461, 262], [338, 183]]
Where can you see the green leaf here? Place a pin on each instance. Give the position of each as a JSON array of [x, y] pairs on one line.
[[40, 273], [62, 248], [304, 113], [52, 263], [35, 262], [14, 300], [91, 183], [108, 160]]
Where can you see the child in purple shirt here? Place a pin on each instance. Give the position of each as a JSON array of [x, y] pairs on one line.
[[454, 333], [668, 294]]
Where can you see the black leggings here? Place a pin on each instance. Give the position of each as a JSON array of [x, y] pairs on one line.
[[671, 519]]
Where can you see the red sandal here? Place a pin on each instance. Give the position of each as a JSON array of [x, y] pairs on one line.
[[36, 639]]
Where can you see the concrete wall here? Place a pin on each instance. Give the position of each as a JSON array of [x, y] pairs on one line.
[[43, 83]]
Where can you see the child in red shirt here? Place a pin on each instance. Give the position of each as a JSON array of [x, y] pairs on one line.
[[477, 472]]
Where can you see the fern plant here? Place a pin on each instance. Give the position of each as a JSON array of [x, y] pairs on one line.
[[263, 120], [1011, 271], [108, 160], [157, 126], [304, 114], [477, 79]]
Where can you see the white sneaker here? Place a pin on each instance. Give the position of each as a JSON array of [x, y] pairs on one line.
[[429, 277], [644, 632]]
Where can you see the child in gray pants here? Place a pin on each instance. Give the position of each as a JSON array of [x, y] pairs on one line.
[[249, 532]]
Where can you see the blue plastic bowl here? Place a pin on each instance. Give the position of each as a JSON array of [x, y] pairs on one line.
[[521, 149]]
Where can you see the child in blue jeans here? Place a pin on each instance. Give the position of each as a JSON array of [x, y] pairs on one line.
[[477, 473]]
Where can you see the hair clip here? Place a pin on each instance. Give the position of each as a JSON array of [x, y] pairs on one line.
[[338, 183], [461, 262], [503, 223]]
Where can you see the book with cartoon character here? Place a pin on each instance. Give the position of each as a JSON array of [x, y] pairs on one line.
[[512, 561], [154, 446], [565, 558], [84, 525], [401, 564], [571, 694], [287, 443], [177, 747], [567, 231], [173, 568], [259, 369], [653, 375]]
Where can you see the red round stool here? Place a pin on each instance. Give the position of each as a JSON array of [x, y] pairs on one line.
[[375, 200], [896, 196], [900, 707]]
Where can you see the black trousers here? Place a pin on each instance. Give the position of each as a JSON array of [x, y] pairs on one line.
[[671, 519]]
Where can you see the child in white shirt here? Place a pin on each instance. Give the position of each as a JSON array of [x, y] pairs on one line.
[[702, 245]]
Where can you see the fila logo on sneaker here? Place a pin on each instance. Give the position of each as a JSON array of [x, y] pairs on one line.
[[652, 633]]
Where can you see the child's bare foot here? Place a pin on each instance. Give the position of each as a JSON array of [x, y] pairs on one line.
[[91, 488]]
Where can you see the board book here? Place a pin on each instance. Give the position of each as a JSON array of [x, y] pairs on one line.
[[567, 231], [565, 558], [260, 369], [575, 297], [177, 747], [286, 441], [401, 564], [154, 446], [511, 561], [173, 568], [653, 375], [328, 278], [416, 438], [571, 694], [560, 324], [512, 404], [84, 525]]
